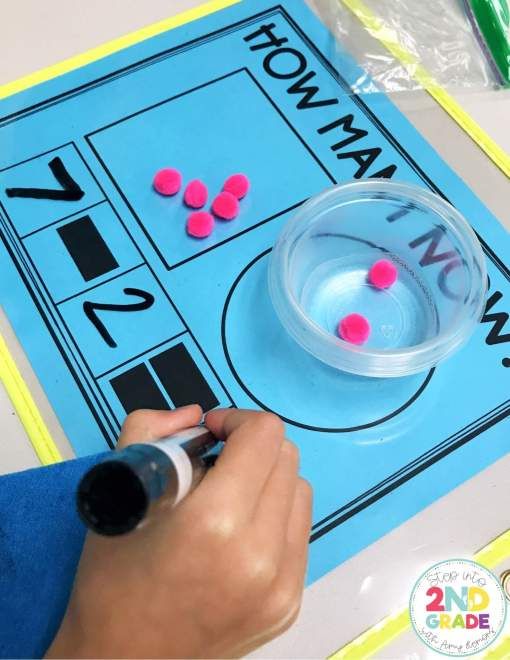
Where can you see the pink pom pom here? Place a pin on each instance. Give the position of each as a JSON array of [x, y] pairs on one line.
[[167, 181], [237, 184], [200, 224], [354, 328], [225, 206], [383, 274], [195, 195]]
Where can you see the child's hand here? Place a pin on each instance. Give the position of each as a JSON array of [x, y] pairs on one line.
[[220, 574]]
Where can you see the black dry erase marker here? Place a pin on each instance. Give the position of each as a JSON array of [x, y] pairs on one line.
[[113, 497]]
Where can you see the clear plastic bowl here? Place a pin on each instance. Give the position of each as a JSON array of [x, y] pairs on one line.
[[318, 275]]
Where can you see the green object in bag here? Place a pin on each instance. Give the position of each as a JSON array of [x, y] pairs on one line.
[[492, 18]]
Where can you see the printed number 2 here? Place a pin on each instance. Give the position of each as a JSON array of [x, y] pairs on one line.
[[90, 309], [435, 603]]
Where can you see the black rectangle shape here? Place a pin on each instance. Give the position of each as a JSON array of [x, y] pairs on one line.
[[182, 379], [87, 248], [136, 388]]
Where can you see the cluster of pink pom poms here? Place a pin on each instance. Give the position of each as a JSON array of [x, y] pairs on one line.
[[225, 205]]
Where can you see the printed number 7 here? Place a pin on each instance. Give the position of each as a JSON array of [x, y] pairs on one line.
[[90, 309], [70, 191]]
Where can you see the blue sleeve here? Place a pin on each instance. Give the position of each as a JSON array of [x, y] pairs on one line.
[[41, 538]]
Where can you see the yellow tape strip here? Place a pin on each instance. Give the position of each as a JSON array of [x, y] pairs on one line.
[[113, 46], [17, 389], [501, 651], [386, 36], [372, 641], [27, 410]]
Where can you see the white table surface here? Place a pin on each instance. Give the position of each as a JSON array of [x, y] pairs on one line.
[[35, 34]]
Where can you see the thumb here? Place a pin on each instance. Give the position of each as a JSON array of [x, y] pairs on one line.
[[151, 425]]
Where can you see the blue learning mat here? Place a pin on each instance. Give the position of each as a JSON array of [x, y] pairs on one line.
[[117, 308]]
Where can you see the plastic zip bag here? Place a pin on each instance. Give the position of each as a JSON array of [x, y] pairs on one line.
[[438, 35]]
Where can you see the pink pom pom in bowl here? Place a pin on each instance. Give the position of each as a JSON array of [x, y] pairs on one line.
[[422, 303]]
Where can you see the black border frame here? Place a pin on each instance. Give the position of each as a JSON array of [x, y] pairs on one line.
[[48, 309], [124, 197]]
